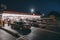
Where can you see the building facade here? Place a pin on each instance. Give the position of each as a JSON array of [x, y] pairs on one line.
[[10, 16]]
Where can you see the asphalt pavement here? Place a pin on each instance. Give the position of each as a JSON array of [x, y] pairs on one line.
[[36, 34], [6, 36]]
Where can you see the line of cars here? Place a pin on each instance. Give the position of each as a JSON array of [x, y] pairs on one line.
[[43, 22], [26, 25]]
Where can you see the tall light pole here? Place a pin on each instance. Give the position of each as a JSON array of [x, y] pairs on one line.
[[2, 8]]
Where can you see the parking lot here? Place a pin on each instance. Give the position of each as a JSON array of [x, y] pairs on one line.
[[35, 34]]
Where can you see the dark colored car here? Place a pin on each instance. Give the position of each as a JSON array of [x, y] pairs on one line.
[[34, 23], [45, 22], [22, 27]]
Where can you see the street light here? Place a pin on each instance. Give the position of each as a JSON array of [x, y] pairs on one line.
[[32, 10]]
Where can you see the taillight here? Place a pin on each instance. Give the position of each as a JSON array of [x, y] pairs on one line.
[[27, 27]]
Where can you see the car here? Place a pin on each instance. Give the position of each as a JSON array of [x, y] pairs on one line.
[[45, 22], [34, 23], [22, 27]]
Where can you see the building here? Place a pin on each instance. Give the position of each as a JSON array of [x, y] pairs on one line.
[[16, 16], [13, 15]]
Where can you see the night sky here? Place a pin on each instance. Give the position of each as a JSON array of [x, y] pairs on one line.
[[44, 6]]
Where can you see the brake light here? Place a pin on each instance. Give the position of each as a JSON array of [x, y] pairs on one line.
[[27, 27]]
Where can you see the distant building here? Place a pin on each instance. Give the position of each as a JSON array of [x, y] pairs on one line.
[[19, 15]]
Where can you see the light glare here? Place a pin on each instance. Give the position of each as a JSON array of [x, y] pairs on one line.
[[32, 10]]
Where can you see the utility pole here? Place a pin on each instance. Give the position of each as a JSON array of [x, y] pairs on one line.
[[2, 8]]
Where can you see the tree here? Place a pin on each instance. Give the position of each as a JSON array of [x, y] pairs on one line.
[[55, 13]]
